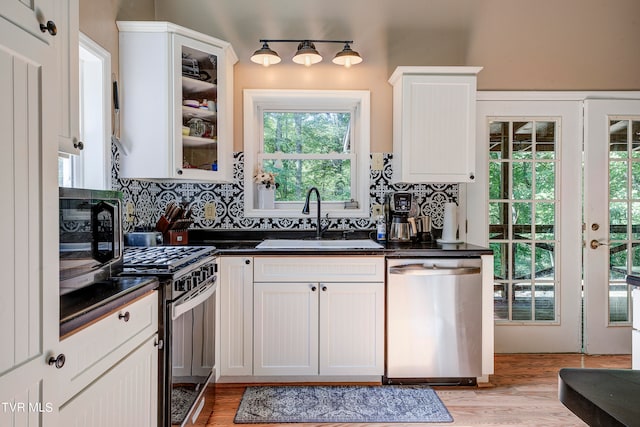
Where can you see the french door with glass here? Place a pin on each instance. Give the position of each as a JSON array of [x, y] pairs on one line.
[[561, 174], [612, 221], [532, 161]]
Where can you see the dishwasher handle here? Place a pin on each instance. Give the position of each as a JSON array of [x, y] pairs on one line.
[[426, 270]]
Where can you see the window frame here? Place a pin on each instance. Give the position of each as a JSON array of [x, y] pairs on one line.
[[357, 102], [91, 168]]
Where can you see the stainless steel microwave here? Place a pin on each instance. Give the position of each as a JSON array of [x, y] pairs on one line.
[[91, 238]]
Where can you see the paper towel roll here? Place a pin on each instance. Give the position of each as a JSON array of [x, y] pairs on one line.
[[450, 224]]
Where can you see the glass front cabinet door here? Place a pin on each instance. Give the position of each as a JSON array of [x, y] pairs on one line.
[[176, 102]]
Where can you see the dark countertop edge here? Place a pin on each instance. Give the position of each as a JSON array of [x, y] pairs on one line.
[[601, 396], [461, 250], [633, 280], [78, 322], [243, 242], [388, 253]]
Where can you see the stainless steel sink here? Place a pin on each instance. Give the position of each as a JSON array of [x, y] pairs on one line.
[[318, 244]]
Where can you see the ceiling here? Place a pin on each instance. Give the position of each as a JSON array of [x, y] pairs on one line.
[[372, 24]]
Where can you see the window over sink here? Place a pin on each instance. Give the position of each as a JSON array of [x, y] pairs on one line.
[[307, 139]]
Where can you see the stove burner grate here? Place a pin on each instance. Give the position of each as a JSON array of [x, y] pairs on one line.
[[163, 257]]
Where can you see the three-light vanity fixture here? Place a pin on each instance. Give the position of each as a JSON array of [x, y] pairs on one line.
[[307, 54]]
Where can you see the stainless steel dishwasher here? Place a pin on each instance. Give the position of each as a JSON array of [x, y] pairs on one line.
[[434, 320]]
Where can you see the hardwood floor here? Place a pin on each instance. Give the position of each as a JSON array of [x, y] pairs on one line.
[[523, 392]]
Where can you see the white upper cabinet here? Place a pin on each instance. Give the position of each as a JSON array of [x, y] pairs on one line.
[[176, 103], [434, 110], [68, 102]]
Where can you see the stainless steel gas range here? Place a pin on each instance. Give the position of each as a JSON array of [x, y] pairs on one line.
[[188, 297]]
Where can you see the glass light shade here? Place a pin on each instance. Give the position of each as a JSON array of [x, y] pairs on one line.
[[347, 57], [307, 54], [265, 56]]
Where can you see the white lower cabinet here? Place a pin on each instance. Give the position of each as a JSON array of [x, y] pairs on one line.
[[352, 329], [331, 324], [125, 396], [235, 290], [285, 329], [110, 374]]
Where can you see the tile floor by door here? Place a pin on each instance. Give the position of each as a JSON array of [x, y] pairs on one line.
[[523, 392]]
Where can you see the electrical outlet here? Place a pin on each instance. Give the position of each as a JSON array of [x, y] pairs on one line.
[[377, 162], [376, 210], [210, 211], [130, 212]]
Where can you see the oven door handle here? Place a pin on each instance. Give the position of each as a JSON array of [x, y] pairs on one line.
[[193, 300], [425, 270]]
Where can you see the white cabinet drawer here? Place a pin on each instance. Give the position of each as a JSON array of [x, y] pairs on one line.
[[319, 269], [635, 295], [95, 349]]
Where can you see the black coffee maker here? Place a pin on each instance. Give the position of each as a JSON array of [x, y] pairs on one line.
[[398, 218]]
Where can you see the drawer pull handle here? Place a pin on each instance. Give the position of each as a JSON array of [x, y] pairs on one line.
[[58, 362], [126, 316]]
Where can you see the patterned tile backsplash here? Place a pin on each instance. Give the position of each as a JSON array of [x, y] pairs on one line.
[[150, 199]]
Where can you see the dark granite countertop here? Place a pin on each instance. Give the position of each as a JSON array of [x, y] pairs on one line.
[[633, 280], [243, 242], [601, 397], [87, 304]]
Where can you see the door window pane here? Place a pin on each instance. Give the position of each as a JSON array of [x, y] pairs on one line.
[[618, 261], [522, 302], [618, 181], [635, 221], [545, 301], [522, 140], [522, 260], [498, 180], [618, 221], [501, 301], [545, 140], [522, 223], [635, 139], [522, 180], [545, 261], [522, 218], [498, 222], [545, 181], [618, 139], [635, 180], [498, 140], [545, 221], [500, 260], [618, 302], [624, 212]]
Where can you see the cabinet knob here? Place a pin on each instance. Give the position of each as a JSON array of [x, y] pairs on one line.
[[179, 172], [50, 27], [58, 361], [247, 261], [472, 176], [324, 289], [78, 145], [126, 316], [313, 289]]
